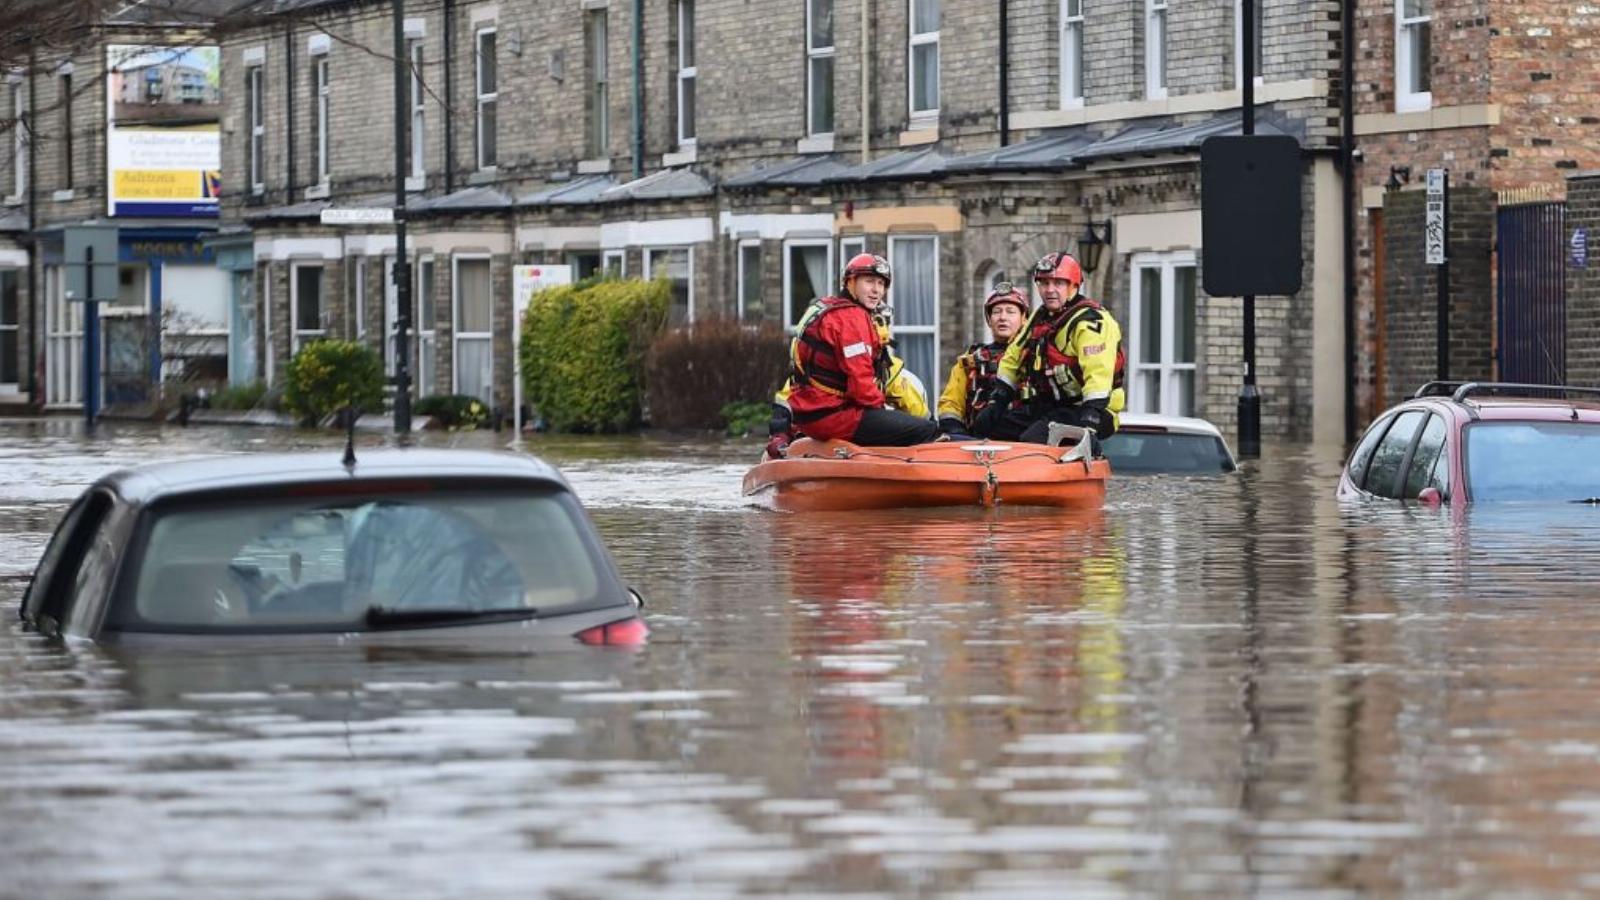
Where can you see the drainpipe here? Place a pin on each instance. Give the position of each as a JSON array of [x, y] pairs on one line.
[[35, 300], [638, 89], [1347, 141], [288, 95], [1005, 78], [449, 96], [866, 82]]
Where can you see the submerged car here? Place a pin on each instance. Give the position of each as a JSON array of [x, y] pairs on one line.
[[1460, 442], [1150, 444], [397, 541]]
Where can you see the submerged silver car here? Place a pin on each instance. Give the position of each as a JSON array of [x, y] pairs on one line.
[[1152, 444], [412, 541]]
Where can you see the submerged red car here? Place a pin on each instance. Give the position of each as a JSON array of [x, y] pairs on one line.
[[1460, 442]]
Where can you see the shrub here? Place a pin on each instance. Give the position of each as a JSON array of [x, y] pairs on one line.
[[694, 373], [238, 396], [457, 412], [327, 375], [746, 417], [583, 350]]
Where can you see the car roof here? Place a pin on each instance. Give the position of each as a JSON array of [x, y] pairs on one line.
[[1181, 424], [1535, 408], [199, 475]]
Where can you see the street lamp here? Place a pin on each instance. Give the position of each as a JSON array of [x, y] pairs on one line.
[[1096, 235]]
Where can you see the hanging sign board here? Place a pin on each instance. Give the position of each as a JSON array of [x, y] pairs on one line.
[[1433, 224]]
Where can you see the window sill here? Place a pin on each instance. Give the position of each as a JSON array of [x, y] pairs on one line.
[[416, 182], [816, 143], [594, 166], [487, 175], [13, 200], [317, 191], [62, 196], [915, 137], [686, 154]]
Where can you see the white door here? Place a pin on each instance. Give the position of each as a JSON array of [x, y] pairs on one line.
[[63, 344], [391, 316], [1161, 334]]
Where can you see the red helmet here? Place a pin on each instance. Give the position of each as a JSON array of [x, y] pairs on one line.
[[1006, 292], [865, 264], [1059, 265]]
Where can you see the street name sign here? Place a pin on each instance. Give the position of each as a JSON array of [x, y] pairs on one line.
[[378, 215]]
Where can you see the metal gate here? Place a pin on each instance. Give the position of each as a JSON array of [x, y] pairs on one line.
[[1532, 302]]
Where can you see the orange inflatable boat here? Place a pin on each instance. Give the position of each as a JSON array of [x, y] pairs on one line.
[[832, 475]]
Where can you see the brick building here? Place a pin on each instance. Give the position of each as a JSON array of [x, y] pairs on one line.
[[1498, 94]]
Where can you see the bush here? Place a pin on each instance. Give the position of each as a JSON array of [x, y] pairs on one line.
[[694, 373], [327, 375], [583, 351], [457, 412], [746, 417], [238, 396]]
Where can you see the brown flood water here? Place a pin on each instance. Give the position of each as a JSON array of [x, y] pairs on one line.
[[1211, 686]]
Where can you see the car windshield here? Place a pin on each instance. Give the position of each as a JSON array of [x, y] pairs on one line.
[[1147, 453], [359, 563], [1532, 461]]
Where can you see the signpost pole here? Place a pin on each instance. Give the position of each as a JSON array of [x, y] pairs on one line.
[[91, 344], [1249, 411], [402, 267]]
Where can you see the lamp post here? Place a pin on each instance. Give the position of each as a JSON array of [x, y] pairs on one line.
[[402, 267], [1092, 245]]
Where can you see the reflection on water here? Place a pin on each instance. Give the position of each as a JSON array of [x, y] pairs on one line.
[[1226, 685]]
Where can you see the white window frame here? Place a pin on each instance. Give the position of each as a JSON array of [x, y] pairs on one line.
[[1238, 42], [1155, 49], [621, 257], [68, 173], [814, 55], [360, 263], [19, 140], [650, 270], [897, 327], [299, 337], [255, 97], [1071, 53], [850, 246], [739, 298], [427, 329], [1167, 264], [790, 311], [916, 40], [419, 132], [320, 93], [485, 98], [456, 334], [598, 133], [686, 74], [1406, 99]]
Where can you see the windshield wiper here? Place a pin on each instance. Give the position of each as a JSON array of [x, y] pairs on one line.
[[380, 618], [1592, 501]]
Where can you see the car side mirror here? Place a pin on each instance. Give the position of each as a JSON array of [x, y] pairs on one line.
[[1430, 496]]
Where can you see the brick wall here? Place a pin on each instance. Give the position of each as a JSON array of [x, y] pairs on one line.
[[1411, 292], [1583, 285]]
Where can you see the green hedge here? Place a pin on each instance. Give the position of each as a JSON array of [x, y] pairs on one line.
[[328, 375], [583, 350], [457, 412]]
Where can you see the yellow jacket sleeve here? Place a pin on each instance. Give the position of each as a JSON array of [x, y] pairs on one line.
[[1094, 341], [953, 402], [902, 394]]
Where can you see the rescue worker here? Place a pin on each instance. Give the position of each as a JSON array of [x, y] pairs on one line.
[[840, 366], [1005, 309], [1068, 362]]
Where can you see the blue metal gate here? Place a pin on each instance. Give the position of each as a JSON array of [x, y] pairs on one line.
[[1532, 302]]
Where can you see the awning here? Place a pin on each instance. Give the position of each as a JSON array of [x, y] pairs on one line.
[[801, 172], [570, 193]]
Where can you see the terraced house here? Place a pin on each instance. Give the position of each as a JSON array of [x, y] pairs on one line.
[[744, 149]]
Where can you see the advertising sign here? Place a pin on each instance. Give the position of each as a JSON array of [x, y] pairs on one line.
[[163, 134]]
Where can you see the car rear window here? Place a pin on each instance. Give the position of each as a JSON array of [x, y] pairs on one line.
[[1532, 460], [327, 564], [1144, 452]]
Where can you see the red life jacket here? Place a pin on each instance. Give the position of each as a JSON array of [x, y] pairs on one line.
[[1051, 372], [813, 361], [981, 363]]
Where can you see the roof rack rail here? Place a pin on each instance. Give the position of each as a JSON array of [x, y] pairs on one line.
[[1437, 389], [1541, 391]]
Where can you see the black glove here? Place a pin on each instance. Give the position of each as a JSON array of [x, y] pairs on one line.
[[997, 400], [1093, 418], [782, 421]]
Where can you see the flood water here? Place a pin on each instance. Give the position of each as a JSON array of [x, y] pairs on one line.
[[1213, 686]]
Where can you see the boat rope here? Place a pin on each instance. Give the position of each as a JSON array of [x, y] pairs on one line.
[[841, 453]]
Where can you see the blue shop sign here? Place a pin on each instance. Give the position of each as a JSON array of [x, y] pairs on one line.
[[166, 250]]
